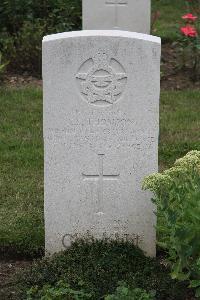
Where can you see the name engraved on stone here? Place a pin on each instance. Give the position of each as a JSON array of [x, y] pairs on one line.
[[101, 79], [100, 177], [117, 4], [68, 239]]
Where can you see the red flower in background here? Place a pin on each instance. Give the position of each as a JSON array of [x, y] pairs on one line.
[[189, 17], [189, 31]]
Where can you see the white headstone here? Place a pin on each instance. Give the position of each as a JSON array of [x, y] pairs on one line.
[[101, 120], [131, 15]]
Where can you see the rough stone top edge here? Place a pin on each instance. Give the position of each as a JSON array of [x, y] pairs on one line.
[[111, 33]]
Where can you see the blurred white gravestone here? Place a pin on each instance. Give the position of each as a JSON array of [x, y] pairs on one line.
[[131, 15], [101, 120]]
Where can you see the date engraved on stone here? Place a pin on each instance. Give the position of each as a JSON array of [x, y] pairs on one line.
[[101, 79]]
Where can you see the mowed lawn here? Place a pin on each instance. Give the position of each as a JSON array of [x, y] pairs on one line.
[[21, 158], [21, 170]]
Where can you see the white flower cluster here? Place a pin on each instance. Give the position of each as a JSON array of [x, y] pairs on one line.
[[190, 160], [182, 169]]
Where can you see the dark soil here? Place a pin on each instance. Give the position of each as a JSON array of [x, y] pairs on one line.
[[18, 80], [172, 76], [8, 272]]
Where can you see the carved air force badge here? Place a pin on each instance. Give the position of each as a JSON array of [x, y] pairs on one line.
[[101, 79]]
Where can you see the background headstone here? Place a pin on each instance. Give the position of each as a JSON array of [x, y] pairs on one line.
[[101, 120], [130, 15]]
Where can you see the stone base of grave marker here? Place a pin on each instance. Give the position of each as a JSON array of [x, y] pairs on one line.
[[101, 120]]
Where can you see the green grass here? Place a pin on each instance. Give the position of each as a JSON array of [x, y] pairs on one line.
[[21, 158], [167, 26], [179, 125], [21, 173]]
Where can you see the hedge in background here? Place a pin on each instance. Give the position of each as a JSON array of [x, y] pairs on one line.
[[23, 23]]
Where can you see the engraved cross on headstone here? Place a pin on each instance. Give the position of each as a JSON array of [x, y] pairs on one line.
[[116, 4], [101, 177]]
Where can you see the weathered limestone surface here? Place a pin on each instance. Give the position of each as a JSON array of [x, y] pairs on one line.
[[101, 120], [132, 15]]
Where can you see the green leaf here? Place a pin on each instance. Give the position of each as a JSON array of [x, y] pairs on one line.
[[197, 294], [195, 283]]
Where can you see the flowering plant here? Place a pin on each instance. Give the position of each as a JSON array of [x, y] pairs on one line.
[[189, 31], [190, 38], [177, 197], [189, 17]]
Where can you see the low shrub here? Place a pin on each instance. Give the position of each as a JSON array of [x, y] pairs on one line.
[[96, 267], [123, 292], [59, 291], [26, 55], [177, 196], [57, 14], [24, 23], [62, 290]]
